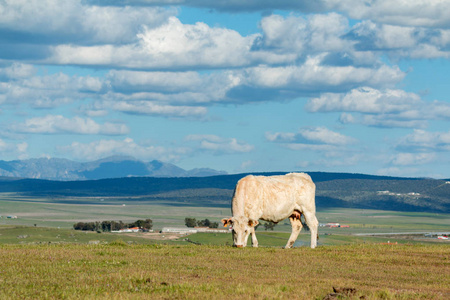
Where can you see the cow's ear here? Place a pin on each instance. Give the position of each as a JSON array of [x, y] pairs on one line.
[[252, 223], [226, 222]]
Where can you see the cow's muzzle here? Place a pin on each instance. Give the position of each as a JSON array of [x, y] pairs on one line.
[[238, 246]]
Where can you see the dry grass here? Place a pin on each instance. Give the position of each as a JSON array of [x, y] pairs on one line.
[[121, 271]]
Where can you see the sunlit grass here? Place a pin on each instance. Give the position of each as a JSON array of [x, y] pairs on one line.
[[123, 271]]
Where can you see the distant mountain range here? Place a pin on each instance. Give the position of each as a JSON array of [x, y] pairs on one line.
[[111, 167]]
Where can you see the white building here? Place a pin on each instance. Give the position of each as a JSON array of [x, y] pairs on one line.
[[178, 230]]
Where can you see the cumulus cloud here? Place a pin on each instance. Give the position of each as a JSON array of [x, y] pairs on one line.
[[308, 79], [404, 159], [45, 91], [364, 100], [300, 35], [397, 171], [52, 21], [173, 45], [395, 12], [149, 108], [381, 108], [103, 148], [219, 145], [311, 75], [425, 141], [57, 124], [19, 149], [401, 41], [172, 87], [262, 83], [17, 71], [311, 138]]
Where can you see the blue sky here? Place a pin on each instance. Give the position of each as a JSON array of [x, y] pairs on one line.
[[239, 86]]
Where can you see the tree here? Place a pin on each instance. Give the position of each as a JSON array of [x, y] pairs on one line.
[[106, 226], [269, 225], [204, 223], [148, 224], [190, 222], [145, 224], [214, 225]]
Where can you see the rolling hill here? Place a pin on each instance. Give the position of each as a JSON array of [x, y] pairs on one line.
[[333, 190]]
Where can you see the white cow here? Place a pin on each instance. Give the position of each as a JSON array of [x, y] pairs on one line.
[[273, 198]]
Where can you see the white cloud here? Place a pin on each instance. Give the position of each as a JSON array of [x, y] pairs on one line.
[[17, 71], [391, 121], [313, 76], [404, 159], [171, 46], [300, 35], [343, 160], [403, 172], [172, 87], [381, 108], [57, 124], [219, 145], [69, 21], [47, 91], [318, 138], [19, 149], [155, 81], [401, 41], [397, 12], [365, 100], [149, 108], [425, 141], [103, 148]]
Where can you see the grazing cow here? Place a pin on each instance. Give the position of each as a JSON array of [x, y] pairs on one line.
[[272, 198]]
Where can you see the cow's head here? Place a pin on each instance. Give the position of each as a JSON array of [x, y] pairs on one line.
[[242, 227]]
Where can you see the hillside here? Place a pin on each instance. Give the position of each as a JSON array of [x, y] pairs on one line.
[[333, 190]]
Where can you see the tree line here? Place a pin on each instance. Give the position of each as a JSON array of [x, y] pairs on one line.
[[107, 226], [192, 222]]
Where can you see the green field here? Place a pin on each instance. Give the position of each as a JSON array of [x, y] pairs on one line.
[[121, 271], [64, 212], [43, 258]]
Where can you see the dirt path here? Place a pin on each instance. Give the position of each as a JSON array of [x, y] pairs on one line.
[[156, 235]]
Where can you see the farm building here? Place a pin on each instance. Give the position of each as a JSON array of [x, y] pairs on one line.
[[178, 230], [216, 230], [186, 230], [127, 230]]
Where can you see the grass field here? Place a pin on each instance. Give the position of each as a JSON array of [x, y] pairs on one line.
[[64, 212], [121, 271], [42, 258]]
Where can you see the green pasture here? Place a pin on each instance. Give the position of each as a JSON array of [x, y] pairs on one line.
[[64, 212], [47, 235], [122, 271]]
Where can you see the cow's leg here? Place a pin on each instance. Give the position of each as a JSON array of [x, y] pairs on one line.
[[254, 240], [313, 225], [297, 226]]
